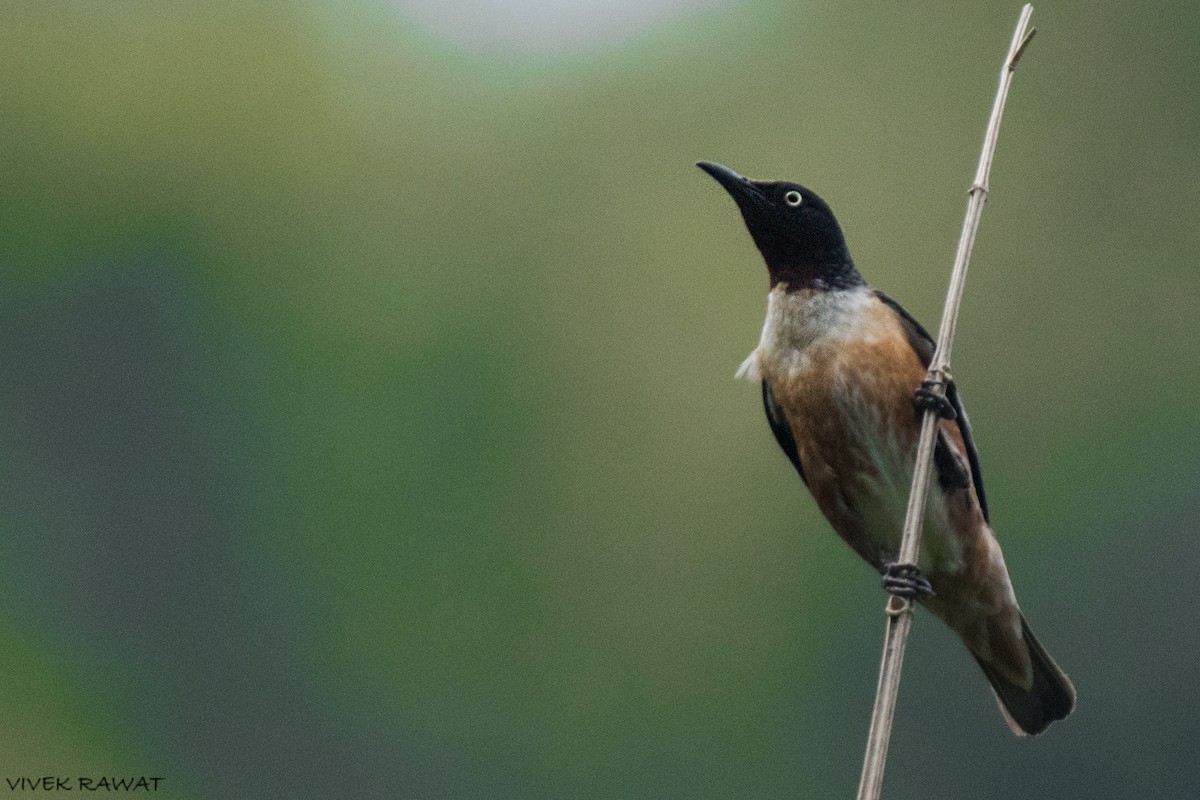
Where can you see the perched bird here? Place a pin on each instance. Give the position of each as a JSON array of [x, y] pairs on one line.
[[842, 368]]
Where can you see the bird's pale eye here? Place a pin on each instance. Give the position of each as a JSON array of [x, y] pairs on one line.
[[792, 198]]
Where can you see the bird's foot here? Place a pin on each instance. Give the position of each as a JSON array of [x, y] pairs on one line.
[[932, 397], [907, 581]]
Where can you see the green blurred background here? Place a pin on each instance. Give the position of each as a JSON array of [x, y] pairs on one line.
[[367, 414]]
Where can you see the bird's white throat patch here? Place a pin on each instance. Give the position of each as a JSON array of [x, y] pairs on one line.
[[798, 322]]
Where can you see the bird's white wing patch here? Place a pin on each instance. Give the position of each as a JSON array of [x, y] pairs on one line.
[[749, 369]]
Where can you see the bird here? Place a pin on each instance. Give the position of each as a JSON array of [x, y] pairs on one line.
[[842, 368]]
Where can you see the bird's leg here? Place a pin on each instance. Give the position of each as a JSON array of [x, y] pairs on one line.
[[907, 581], [931, 396]]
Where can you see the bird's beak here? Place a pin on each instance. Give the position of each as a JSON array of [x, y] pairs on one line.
[[740, 188]]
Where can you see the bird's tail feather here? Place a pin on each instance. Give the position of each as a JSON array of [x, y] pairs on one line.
[[1050, 697]]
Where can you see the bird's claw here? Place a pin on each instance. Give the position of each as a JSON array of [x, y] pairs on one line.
[[907, 581], [932, 397]]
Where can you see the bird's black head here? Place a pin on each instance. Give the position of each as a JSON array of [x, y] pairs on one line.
[[794, 229]]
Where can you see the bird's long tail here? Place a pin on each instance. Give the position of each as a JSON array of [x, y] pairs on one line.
[[1050, 697]]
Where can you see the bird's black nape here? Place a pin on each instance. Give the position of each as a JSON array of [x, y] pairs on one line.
[[795, 231]]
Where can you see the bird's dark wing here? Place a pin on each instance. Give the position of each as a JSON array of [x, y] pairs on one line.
[[922, 343], [781, 429]]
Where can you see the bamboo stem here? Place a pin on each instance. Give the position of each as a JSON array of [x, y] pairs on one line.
[[899, 611]]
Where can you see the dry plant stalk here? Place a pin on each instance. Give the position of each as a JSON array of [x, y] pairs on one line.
[[899, 610]]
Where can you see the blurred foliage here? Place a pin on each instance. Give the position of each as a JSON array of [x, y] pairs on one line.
[[368, 423]]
